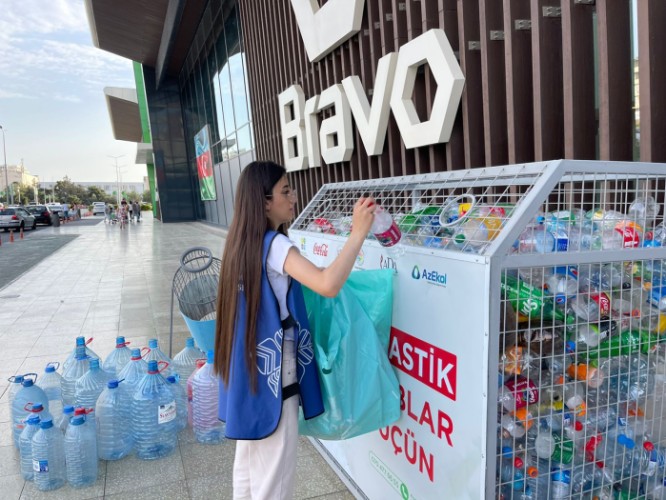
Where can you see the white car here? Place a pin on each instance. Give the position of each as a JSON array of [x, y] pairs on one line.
[[98, 207]]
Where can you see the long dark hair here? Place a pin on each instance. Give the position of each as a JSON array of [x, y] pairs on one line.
[[241, 264]]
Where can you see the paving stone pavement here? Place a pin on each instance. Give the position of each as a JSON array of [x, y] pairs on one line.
[[104, 283]]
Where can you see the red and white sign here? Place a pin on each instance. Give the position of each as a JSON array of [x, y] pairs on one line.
[[320, 249]]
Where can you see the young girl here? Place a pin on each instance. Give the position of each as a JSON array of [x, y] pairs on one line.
[[263, 349]]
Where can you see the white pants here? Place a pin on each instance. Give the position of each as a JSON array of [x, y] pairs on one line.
[[265, 468]]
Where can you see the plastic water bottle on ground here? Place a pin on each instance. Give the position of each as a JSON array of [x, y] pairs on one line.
[[153, 416], [51, 383], [72, 374], [190, 389], [90, 385], [63, 421], [38, 410], [155, 353], [80, 454], [180, 396], [80, 342], [131, 375], [119, 357], [90, 419], [29, 393], [114, 435], [207, 427], [25, 446], [48, 457], [185, 362]]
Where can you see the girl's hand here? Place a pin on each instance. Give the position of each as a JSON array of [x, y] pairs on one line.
[[364, 214]]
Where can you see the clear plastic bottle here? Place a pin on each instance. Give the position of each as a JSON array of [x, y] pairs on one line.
[[38, 410], [80, 342], [131, 375], [80, 454], [15, 384], [153, 416], [190, 389], [25, 446], [185, 362], [536, 239], [471, 234], [119, 357], [63, 422], [29, 393], [114, 434], [518, 392], [90, 385], [384, 228], [51, 383], [154, 352], [560, 482], [561, 285], [511, 470], [72, 373], [180, 396], [574, 397], [205, 390], [48, 457], [644, 210]]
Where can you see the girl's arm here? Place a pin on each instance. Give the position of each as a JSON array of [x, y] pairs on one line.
[[329, 281]]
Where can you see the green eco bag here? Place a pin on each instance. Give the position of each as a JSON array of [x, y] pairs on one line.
[[351, 335]]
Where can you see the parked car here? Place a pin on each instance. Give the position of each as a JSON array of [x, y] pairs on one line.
[[56, 208], [42, 214], [16, 218], [98, 207]]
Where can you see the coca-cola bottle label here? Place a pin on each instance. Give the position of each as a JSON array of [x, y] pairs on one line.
[[524, 391], [389, 237], [631, 232], [603, 302]]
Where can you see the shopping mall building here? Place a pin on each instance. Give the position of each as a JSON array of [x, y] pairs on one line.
[[359, 89]]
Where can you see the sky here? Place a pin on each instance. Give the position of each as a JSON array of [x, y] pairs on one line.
[[52, 103]]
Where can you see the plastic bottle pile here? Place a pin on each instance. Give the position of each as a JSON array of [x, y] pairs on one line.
[[109, 410], [582, 381]]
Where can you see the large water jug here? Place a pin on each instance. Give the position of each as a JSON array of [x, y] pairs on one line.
[[155, 353], [131, 375], [48, 457], [153, 416], [114, 436], [25, 446], [190, 390], [51, 383], [80, 342], [119, 357], [181, 402], [72, 374], [90, 385], [38, 410], [63, 421], [185, 362], [80, 454], [16, 382], [28, 394], [205, 396]]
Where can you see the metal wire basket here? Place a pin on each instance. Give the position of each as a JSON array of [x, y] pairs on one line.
[[195, 286]]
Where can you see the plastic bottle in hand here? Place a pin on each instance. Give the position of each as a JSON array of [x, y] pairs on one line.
[[384, 228]]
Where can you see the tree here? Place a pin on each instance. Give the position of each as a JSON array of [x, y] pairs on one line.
[[147, 196], [95, 193], [66, 191]]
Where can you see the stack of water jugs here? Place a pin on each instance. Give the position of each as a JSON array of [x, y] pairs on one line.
[[62, 424], [582, 380]]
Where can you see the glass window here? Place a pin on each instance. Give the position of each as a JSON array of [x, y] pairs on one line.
[[244, 139]]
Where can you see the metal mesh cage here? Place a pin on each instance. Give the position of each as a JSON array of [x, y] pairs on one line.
[[195, 283]]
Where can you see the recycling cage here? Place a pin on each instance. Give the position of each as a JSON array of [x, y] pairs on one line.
[[462, 337]]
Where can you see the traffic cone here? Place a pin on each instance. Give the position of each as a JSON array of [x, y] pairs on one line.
[[21, 233], [11, 236]]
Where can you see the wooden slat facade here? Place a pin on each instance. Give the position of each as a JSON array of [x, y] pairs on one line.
[[545, 79]]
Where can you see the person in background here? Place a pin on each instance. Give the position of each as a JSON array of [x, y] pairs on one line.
[[136, 208], [129, 209], [107, 213], [65, 209], [261, 314]]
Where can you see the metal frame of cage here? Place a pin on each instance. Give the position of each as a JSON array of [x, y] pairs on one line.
[[195, 286], [513, 195]]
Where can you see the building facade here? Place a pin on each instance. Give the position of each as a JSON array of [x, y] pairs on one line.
[[360, 89]]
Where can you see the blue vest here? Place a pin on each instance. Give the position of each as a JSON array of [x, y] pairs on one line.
[[255, 415]]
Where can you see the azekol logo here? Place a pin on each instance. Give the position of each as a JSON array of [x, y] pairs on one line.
[[325, 28], [432, 277]]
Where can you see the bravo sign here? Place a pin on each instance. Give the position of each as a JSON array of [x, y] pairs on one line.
[[304, 145]]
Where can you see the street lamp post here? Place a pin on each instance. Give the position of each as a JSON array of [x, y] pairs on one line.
[[117, 177], [4, 150]]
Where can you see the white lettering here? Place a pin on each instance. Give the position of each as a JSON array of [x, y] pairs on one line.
[[314, 156], [335, 132], [443, 374], [292, 102]]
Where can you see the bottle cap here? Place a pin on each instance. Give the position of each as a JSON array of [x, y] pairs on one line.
[[578, 426], [648, 446], [50, 368], [78, 420], [152, 343], [46, 424], [518, 463], [210, 356], [80, 341], [506, 451], [152, 366], [136, 354], [112, 384], [68, 409], [532, 471], [28, 382], [37, 407], [171, 379], [120, 341], [33, 420], [189, 342]]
